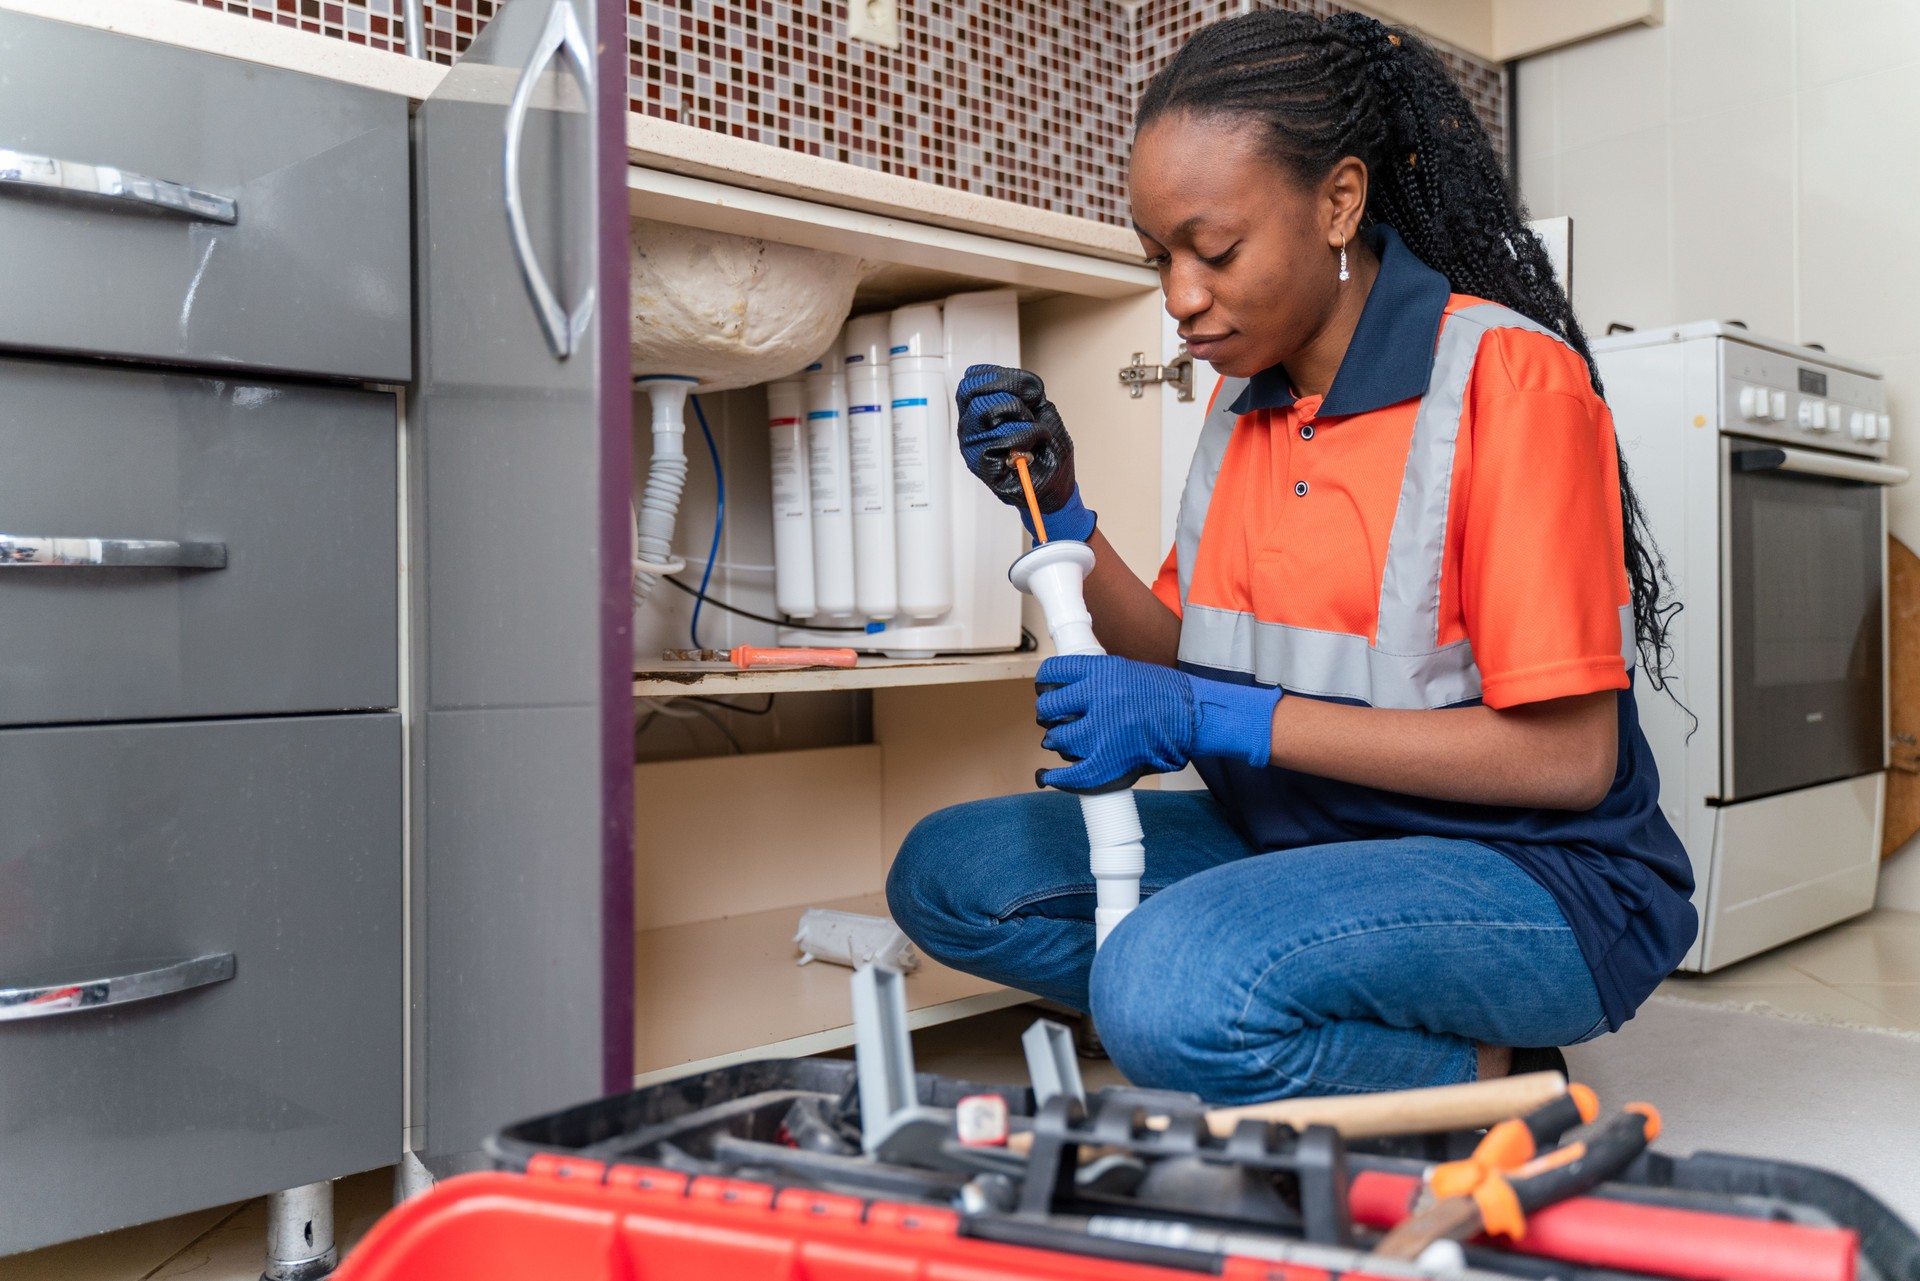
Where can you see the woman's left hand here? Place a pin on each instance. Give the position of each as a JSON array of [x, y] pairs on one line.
[[1116, 719]]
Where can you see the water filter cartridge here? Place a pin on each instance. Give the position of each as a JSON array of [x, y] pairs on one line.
[[792, 511], [923, 525], [828, 488], [922, 456], [870, 445]]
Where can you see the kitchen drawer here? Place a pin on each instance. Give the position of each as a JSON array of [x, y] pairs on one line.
[[124, 848], [312, 276], [298, 483]]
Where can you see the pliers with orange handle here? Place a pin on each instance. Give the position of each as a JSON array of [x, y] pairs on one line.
[[1508, 1177]]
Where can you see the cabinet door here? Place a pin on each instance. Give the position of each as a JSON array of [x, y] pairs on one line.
[[200, 937], [165, 204], [256, 570], [522, 435]]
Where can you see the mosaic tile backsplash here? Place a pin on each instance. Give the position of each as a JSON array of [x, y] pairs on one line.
[[1024, 100]]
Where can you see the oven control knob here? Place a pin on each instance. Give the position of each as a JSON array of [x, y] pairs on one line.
[[1779, 413], [1753, 404], [1812, 415], [1883, 428], [1833, 417], [1860, 426]]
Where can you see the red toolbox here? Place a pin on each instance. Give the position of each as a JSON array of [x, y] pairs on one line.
[[754, 1172]]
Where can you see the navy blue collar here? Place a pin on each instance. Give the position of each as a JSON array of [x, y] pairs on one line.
[[1390, 358]]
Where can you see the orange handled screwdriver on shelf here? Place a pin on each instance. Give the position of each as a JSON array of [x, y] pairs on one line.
[[745, 656]]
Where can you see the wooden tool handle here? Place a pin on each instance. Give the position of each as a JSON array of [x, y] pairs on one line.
[[1441, 1107], [1364, 1116]]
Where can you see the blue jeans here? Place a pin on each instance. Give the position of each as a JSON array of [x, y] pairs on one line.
[[1243, 976]]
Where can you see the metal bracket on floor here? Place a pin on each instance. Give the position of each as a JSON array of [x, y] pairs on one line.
[[300, 1234], [894, 1125], [1052, 1062]]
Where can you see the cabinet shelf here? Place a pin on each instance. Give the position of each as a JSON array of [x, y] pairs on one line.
[[726, 991], [676, 680]]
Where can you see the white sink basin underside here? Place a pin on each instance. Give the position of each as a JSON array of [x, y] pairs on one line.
[[731, 310]]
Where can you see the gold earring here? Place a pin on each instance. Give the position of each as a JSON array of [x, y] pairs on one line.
[[1343, 258]]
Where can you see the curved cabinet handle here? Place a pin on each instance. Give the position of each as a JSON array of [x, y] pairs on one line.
[[562, 35], [44, 1000], [20, 551], [103, 183]]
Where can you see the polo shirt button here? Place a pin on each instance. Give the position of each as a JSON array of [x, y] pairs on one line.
[[1306, 431], [1300, 490]]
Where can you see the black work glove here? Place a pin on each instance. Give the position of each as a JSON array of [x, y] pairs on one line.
[[1006, 411]]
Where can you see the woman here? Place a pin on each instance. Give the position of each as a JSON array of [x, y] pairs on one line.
[[1389, 635]]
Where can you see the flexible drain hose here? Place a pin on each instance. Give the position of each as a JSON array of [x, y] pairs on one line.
[[666, 478], [1116, 847]]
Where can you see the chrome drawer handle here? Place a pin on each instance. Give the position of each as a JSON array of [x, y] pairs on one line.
[[114, 186], [47, 999], [18, 551], [564, 330]]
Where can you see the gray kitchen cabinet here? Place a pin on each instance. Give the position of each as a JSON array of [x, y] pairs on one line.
[[275, 587], [264, 849], [385, 642], [202, 771], [521, 458], [162, 204]]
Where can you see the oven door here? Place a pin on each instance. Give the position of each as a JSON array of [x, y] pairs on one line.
[[1804, 630]]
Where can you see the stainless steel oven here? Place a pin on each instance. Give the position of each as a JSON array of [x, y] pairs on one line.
[[1805, 630], [1763, 468]]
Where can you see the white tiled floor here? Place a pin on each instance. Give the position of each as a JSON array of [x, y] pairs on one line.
[[1865, 972]]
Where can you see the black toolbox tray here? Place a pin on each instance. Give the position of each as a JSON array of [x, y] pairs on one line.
[[730, 1122]]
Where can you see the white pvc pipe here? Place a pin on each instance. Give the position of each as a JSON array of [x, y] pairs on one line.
[[1053, 574], [666, 478]]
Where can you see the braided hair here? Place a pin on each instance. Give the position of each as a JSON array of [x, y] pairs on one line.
[[1350, 86]]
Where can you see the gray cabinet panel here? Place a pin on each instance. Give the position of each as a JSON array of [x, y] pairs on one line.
[[524, 748], [312, 276], [298, 482], [276, 841]]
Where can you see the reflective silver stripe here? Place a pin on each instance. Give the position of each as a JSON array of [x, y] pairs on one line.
[[1409, 620], [1407, 667], [1215, 432], [1629, 642], [1327, 664]]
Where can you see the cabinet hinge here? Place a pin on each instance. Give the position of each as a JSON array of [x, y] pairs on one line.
[[1178, 372]]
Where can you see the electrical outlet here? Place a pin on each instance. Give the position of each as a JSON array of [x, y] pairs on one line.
[[874, 21]]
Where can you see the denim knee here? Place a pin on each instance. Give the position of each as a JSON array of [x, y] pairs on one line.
[[1164, 1025], [916, 887]]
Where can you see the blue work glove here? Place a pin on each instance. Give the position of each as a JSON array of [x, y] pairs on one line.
[[1117, 719], [1005, 411]]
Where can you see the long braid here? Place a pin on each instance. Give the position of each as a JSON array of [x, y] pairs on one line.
[[1349, 86]]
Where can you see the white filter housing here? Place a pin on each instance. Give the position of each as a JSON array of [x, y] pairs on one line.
[[829, 489], [870, 443], [922, 487], [984, 613], [865, 340], [792, 509], [923, 455]]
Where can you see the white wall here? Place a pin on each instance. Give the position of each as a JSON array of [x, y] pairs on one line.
[[1756, 160]]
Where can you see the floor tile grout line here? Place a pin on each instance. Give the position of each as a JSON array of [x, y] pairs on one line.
[[159, 1267]]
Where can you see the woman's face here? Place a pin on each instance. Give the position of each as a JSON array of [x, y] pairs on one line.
[[1247, 257]]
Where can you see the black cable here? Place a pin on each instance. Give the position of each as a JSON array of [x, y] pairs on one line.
[[717, 603], [733, 707]]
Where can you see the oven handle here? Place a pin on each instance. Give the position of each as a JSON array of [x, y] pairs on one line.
[[1810, 463]]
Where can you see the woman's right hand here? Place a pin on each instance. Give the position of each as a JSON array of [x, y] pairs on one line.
[[1006, 411]]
